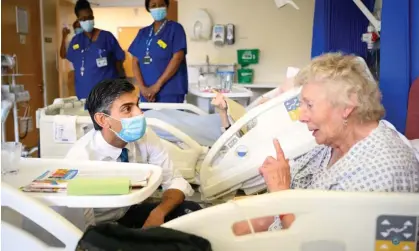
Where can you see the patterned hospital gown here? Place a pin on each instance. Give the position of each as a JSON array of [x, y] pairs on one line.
[[381, 162]]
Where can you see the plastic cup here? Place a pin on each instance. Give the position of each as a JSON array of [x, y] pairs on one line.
[[11, 153], [227, 78]]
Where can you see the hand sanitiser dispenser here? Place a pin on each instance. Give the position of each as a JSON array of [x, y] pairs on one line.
[[230, 34], [218, 34]]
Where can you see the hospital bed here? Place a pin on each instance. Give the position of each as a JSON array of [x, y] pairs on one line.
[[230, 164], [196, 110], [65, 107], [70, 112], [327, 221], [15, 204], [13, 237]]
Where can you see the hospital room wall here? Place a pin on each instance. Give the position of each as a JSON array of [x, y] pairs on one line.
[[112, 18], [283, 35], [28, 52], [121, 17], [123, 25], [124, 22]]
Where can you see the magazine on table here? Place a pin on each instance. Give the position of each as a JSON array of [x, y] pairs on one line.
[[55, 181]]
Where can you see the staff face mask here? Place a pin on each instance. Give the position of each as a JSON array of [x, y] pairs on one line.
[[87, 25], [158, 14], [78, 30]]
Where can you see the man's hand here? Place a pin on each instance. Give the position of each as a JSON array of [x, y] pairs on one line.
[[276, 172], [65, 32], [155, 218]]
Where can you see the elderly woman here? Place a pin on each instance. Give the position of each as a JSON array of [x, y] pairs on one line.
[[340, 103]]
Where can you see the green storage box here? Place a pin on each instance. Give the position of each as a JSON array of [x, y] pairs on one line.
[[245, 76], [247, 56]]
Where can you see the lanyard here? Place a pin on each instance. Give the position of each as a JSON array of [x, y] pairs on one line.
[[83, 51], [82, 68], [150, 36], [85, 48]]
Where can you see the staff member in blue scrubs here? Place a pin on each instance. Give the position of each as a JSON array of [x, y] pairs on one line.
[[95, 54], [159, 63]]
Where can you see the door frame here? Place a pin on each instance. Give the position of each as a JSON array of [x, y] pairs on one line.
[[44, 71], [126, 49]]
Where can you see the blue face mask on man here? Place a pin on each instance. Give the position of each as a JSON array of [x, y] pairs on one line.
[[87, 25], [78, 30], [133, 128], [158, 14]]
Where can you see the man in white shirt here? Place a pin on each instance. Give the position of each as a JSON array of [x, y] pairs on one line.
[[120, 134]]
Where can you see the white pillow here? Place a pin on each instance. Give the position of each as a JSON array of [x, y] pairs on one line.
[[415, 144]]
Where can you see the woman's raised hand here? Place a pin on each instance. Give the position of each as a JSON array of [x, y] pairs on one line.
[[219, 102], [276, 171]]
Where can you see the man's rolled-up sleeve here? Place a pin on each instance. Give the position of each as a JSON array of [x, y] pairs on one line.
[[158, 155]]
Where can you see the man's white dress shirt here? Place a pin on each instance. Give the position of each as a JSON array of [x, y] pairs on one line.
[[147, 150]]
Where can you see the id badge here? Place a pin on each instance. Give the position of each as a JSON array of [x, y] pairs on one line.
[[101, 62], [147, 60]]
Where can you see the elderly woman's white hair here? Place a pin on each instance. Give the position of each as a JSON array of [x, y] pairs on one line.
[[347, 81]]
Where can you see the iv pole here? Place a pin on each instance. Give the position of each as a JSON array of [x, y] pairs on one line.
[[9, 62], [11, 101], [375, 23]]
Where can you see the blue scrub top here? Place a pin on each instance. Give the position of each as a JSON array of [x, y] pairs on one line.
[[174, 37], [80, 47]]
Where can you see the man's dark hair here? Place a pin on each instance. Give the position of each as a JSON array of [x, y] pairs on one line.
[[104, 94], [82, 5], [147, 4]]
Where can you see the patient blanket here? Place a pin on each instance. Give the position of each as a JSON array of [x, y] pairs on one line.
[[204, 129]]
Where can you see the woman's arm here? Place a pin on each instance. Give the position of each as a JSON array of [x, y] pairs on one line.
[[63, 49], [120, 68], [138, 77], [261, 224], [134, 49], [221, 105], [178, 50], [276, 172], [118, 55], [171, 70], [224, 118]]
